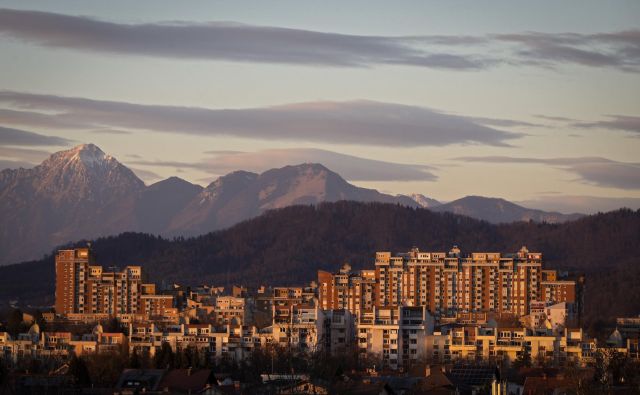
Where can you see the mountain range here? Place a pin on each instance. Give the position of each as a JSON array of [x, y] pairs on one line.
[[496, 210], [287, 246], [83, 193]]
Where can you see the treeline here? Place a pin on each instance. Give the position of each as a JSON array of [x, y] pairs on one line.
[[609, 372], [288, 246]]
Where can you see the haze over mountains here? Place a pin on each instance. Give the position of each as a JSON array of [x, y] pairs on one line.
[[83, 193], [496, 210]]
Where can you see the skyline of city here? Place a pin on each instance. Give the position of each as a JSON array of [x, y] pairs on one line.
[[362, 197]]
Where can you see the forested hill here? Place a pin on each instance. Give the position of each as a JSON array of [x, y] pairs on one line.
[[288, 246]]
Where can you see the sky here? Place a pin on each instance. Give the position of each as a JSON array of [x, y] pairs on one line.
[[534, 102]]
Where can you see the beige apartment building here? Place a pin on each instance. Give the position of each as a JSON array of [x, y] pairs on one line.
[[447, 283], [394, 335]]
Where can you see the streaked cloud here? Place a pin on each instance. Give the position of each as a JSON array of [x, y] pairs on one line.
[[619, 50], [593, 170], [555, 118], [10, 136], [225, 41], [568, 204], [509, 123], [147, 176], [616, 122], [351, 122], [110, 131], [24, 155], [16, 157], [352, 168], [14, 164], [34, 119]]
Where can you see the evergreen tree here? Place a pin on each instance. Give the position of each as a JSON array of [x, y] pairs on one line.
[[134, 360], [15, 324], [112, 326], [164, 357], [179, 359], [78, 369], [39, 319], [523, 360], [4, 373]]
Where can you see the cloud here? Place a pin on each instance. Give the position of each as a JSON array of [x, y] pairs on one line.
[[24, 155], [223, 152], [350, 122], [9, 136], [225, 41], [580, 204], [13, 164], [146, 175], [14, 157], [111, 131], [616, 122], [619, 50], [555, 118], [350, 167], [35, 119], [499, 122], [593, 170]]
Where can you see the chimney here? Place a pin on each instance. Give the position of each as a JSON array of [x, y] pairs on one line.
[[189, 371]]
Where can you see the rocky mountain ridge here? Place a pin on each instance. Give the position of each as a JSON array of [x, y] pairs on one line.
[[84, 193]]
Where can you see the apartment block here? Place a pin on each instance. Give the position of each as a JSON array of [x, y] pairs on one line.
[[85, 290], [338, 331], [300, 326], [394, 335], [448, 284], [506, 343]]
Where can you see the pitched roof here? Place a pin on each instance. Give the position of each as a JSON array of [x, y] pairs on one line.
[[543, 385], [186, 380], [140, 378]]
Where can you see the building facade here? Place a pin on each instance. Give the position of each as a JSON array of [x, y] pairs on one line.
[[447, 283], [84, 289]]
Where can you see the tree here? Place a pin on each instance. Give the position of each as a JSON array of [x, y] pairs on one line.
[[523, 360], [78, 369], [134, 360], [112, 326], [164, 357], [15, 324], [4, 373], [38, 318], [105, 368], [190, 357], [610, 367]]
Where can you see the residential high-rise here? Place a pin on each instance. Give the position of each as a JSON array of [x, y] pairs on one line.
[[447, 283], [85, 288]]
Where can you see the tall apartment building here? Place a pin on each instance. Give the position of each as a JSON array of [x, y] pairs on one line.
[[300, 326], [447, 283], [347, 290], [395, 335], [87, 289]]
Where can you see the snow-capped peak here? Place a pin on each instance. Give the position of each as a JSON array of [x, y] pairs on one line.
[[424, 201], [89, 154]]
